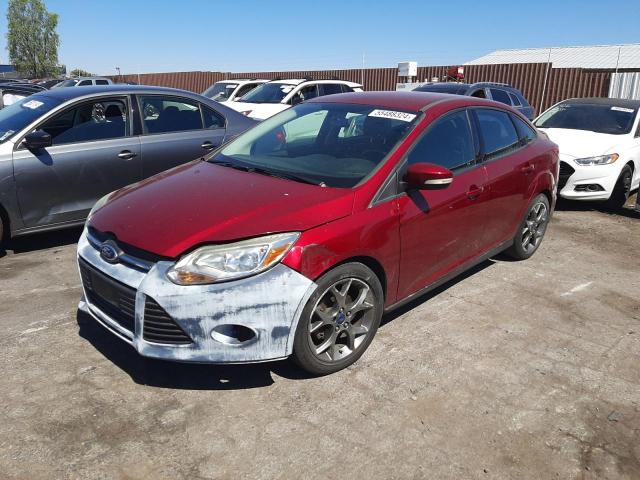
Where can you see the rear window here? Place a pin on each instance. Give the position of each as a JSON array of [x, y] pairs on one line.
[[500, 96], [499, 136], [592, 117]]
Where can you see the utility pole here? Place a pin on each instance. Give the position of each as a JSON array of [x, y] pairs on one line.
[[362, 71], [544, 86]]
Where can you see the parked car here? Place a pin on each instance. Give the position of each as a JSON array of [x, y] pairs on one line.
[[83, 82], [278, 95], [51, 82], [13, 92], [599, 140], [230, 90], [63, 149], [295, 237], [499, 92]]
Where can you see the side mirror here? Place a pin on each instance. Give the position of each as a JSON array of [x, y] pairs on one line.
[[297, 98], [428, 176], [37, 140]]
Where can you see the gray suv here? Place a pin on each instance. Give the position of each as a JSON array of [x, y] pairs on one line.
[[498, 92], [63, 149]]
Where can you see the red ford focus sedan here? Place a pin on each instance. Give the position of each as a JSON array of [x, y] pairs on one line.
[[296, 237]]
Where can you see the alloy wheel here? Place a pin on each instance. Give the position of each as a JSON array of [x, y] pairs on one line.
[[534, 227], [341, 319]]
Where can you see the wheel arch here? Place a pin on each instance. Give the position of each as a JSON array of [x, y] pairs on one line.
[[374, 265]]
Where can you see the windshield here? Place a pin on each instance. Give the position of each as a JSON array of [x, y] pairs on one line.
[[220, 91], [600, 118], [272, 92], [17, 116], [67, 83], [327, 144]]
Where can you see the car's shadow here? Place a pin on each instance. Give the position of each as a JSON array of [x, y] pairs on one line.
[[628, 211], [189, 376], [40, 241]]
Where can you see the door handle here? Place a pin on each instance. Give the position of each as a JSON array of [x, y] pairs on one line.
[[208, 145], [474, 192], [528, 168], [126, 154]]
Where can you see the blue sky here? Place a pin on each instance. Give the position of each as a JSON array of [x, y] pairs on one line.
[[254, 35]]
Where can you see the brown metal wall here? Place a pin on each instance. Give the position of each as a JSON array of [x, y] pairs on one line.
[[528, 77]]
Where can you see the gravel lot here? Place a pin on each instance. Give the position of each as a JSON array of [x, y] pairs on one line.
[[517, 370]]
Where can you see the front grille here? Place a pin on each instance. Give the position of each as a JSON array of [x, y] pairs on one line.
[[159, 327], [116, 300], [565, 172]]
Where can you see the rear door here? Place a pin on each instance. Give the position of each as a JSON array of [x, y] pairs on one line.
[[176, 130], [509, 171], [442, 229], [93, 153]]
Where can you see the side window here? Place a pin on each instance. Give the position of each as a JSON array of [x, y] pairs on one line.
[[515, 101], [212, 119], [449, 143], [330, 88], [243, 90], [500, 96], [479, 94], [84, 83], [89, 122], [346, 88], [525, 132], [498, 133], [161, 114], [102, 82], [305, 93]]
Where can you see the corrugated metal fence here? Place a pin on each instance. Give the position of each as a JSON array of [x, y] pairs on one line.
[[530, 78]]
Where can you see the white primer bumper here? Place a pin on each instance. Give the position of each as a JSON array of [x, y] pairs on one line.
[[270, 304]]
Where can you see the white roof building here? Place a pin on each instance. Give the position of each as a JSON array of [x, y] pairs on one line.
[[597, 56]]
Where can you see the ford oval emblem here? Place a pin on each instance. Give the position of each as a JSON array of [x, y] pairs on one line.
[[109, 253]]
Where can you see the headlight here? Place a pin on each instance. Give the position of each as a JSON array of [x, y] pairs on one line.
[[218, 263], [99, 204], [600, 160]]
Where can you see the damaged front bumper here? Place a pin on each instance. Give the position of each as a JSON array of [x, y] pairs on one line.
[[248, 320]]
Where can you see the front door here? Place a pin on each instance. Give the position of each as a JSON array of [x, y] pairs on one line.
[[92, 154], [442, 229], [176, 130]]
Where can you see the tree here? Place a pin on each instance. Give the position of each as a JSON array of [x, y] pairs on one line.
[[78, 72], [32, 40]]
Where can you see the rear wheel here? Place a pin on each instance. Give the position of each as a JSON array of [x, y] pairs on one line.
[[531, 230], [622, 189], [340, 319]]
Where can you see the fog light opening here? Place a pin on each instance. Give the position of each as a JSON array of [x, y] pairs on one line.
[[231, 334]]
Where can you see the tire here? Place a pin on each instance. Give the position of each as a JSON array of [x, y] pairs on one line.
[[621, 191], [531, 230], [340, 319]]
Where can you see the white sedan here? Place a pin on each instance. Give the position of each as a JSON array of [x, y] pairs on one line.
[[599, 140], [278, 95]]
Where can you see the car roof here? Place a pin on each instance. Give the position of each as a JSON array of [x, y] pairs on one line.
[[64, 94], [298, 81], [409, 101], [614, 102]]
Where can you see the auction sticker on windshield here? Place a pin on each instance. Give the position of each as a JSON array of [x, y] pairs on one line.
[[395, 115], [622, 109]]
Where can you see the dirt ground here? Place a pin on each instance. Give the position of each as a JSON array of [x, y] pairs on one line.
[[527, 370]]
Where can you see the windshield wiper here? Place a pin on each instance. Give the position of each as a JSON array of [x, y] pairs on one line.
[[270, 173], [286, 176]]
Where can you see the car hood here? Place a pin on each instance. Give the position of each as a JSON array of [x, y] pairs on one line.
[[200, 203], [259, 111], [581, 143]]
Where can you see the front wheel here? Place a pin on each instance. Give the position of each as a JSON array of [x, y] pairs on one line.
[[622, 189], [340, 319], [531, 230]]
